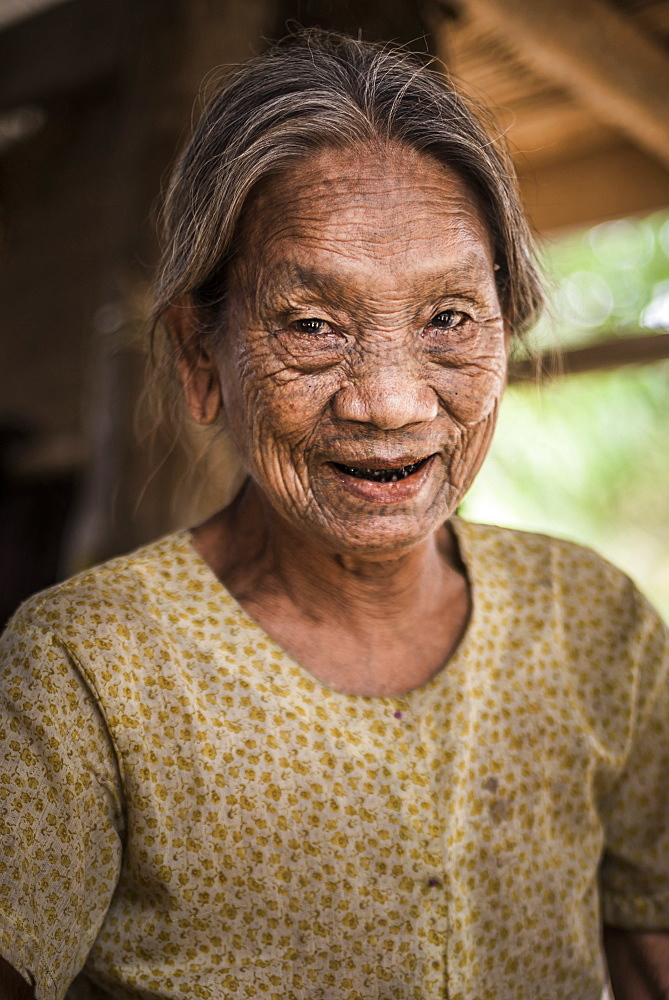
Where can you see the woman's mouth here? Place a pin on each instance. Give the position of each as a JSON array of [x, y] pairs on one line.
[[382, 475], [384, 485]]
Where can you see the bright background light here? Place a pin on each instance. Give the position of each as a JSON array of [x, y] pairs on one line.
[[586, 457]]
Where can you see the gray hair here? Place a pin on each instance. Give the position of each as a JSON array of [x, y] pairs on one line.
[[315, 90]]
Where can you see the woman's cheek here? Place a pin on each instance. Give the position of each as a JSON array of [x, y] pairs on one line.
[[284, 418], [250, 379], [296, 403], [470, 394], [466, 459]]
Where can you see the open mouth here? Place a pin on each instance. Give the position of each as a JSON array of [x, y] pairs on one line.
[[382, 475]]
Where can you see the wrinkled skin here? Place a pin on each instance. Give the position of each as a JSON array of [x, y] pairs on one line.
[[374, 251], [369, 596], [362, 327]]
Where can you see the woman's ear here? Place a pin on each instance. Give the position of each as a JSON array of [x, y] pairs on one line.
[[195, 363]]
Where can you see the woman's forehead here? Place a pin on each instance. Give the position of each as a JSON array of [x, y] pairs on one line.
[[391, 205]]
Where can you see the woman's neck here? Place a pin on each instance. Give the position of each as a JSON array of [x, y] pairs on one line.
[[353, 620], [253, 551]]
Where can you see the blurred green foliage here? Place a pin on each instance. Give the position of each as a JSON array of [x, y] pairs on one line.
[[586, 457]]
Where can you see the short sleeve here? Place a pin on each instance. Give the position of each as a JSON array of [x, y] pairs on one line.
[[60, 810], [634, 875]]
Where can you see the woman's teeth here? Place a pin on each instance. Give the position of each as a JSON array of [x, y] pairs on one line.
[[381, 475]]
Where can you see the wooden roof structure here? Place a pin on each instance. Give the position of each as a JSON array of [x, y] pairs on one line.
[[95, 96], [581, 88], [581, 91]]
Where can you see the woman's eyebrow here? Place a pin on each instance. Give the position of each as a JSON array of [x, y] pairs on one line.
[[468, 276]]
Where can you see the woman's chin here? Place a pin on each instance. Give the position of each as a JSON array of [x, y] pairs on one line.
[[383, 517], [351, 515], [380, 535]]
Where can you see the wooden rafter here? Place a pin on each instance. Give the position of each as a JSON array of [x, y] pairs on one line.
[[597, 54], [614, 352], [605, 183], [62, 48], [12, 11]]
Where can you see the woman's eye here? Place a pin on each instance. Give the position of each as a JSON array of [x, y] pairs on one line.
[[448, 319], [312, 325]]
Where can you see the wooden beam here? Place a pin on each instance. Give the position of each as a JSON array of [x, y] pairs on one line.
[[614, 352], [130, 491], [12, 11], [60, 49], [606, 183], [597, 54], [404, 21]]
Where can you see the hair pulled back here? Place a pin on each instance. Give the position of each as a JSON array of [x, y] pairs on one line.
[[314, 90]]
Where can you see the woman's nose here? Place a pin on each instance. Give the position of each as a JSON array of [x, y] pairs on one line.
[[388, 396]]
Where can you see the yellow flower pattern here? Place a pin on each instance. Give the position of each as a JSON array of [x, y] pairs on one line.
[[187, 812]]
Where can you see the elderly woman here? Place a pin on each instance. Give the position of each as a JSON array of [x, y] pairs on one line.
[[335, 742]]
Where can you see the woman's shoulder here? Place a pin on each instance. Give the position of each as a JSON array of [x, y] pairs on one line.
[[125, 587], [529, 571], [578, 618], [523, 559], [111, 630]]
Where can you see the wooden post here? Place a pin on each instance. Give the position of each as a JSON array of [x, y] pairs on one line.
[[129, 488]]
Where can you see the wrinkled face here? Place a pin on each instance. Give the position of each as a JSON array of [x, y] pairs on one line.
[[363, 355]]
